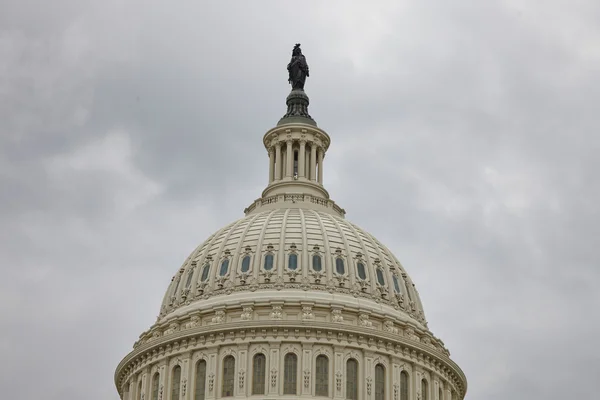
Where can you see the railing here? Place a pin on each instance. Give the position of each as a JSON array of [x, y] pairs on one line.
[[295, 198]]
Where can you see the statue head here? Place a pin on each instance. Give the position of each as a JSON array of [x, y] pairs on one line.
[[297, 51]]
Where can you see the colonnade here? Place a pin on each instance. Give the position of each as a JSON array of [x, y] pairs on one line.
[[296, 160]]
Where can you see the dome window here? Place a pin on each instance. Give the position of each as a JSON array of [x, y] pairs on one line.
[[404, 386], [322, 376], [339, 266], [424, 389], [293, 261], [268, 262], [290, 373], [175, 382], [380, 278], [379, 382], [205, 271], [396, 284], [200, 381], [360, 268], [188, 283], [228, 377], [316, 263], [224, 267], [246, 264], [154, 386], [352, 379]]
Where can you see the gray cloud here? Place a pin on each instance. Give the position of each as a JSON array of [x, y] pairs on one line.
[[129, 133]]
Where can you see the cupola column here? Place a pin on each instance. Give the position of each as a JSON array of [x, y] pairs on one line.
[[290, 159], [320, 161], [313, 162], [277, 161], [271, 165], [301, 157]]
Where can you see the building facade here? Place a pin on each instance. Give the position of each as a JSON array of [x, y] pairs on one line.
[[292, 301]]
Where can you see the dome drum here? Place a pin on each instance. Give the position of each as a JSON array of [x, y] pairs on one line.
[[276, 328]]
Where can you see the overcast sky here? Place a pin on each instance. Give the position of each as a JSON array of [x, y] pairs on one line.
[[464, 137]]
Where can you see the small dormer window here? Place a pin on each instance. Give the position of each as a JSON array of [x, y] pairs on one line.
[[205, 271], [293, 261], [268, 262], [380, 278], [188, 283], [224, 267], [339, 266], [360, 268], [316, 263], [245, 264], [396, 283]]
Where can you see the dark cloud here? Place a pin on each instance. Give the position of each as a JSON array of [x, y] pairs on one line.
[[129, 133]]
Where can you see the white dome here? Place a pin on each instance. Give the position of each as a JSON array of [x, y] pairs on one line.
[[291, 301], [294, 249]]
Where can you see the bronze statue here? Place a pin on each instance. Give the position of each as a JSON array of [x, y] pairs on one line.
[[297, 68]]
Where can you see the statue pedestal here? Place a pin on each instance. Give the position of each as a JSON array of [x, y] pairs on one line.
[[297, 109]]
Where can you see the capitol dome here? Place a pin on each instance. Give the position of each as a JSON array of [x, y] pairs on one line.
[[291, 301]]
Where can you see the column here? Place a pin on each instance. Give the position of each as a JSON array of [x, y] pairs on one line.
[[320, 161], [339, 383], [244, 375], [306, 375], [290, 159], [211, 374], [277, 161], [313, 162], [271, 164], [301, 156], [186, 376], [272, 375]]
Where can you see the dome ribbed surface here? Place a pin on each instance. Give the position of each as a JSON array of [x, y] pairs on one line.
[[236, 259]]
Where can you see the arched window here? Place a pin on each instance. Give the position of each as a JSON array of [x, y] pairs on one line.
[[380, 279], [290, 372], [268, 262], [200, 384], [396, 284], [155, 379], [339, 266], [424, 390], [316, 263], [246, 264], [352, 379], [205, 271], [224, 267], [228, 376], [322, 376], [403, 385], [379, 382], [139, 391], [259, 367], [293, 261], [175, 382], [360, 268]]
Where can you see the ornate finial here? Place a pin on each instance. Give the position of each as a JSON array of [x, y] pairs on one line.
[[297, 68]]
